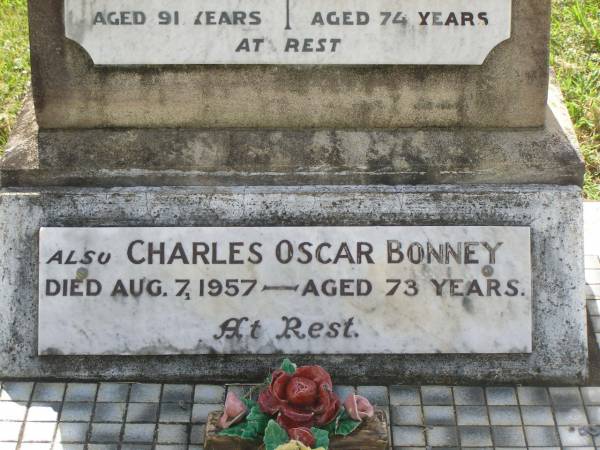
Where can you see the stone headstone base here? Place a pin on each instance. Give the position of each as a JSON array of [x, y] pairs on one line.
[[552, 212]]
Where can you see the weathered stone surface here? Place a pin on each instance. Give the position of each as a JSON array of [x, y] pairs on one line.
[[154, 157], [508, 90], [553, 213]]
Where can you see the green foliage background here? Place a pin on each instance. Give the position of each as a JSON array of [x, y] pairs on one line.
[[575, 57], [14, 62]]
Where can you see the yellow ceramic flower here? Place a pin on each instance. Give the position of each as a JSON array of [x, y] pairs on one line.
[[296, 445]]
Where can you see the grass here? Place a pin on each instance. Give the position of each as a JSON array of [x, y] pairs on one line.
[[575, 56], [14, 62]]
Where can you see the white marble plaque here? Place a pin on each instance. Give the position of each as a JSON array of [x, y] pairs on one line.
[[288, 31], [331, 290]]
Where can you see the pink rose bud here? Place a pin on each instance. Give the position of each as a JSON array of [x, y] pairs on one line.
[[358, 407], [235, 411]]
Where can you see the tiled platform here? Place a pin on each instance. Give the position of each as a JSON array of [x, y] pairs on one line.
[[592, 277], [105, 416], [592, 264]]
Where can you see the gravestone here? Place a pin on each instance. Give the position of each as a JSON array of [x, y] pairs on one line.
[[195, 188]]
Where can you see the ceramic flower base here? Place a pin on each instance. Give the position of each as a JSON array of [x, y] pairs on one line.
[[372, 434]]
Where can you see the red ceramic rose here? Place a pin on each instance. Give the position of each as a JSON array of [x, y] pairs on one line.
[[300, 400]]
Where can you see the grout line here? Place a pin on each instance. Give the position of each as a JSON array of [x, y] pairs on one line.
[[189, 424], [552, 405], [424, 427], [22, 430], [91, 420], [59, 417], [487, 411], [587, 416], [458, 441], [189, 421], [487, 407], [521, 414], [389, 416], [160, 405], [122, 432]]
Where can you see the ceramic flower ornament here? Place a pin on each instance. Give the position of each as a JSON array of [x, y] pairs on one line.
[[297, 409]]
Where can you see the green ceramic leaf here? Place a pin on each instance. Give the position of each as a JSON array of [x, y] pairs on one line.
[[249, 403], [346, 425], [252, 427], [331, 426], [234, 430], [288, 366], [256, 414], [258, 421], [321, 437], [274, 436], [252, 431]]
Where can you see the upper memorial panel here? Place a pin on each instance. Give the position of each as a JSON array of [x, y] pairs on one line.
[[289, 63], [122, 32]]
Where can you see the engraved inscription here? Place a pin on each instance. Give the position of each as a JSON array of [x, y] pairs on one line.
[[288, 31], [293, 290]]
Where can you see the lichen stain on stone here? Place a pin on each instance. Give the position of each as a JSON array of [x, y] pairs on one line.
[[467, 304], [52, 351]]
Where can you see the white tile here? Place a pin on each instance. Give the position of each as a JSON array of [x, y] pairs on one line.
[[13, 410], [9, 431], [39, 431], [43, 412]]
